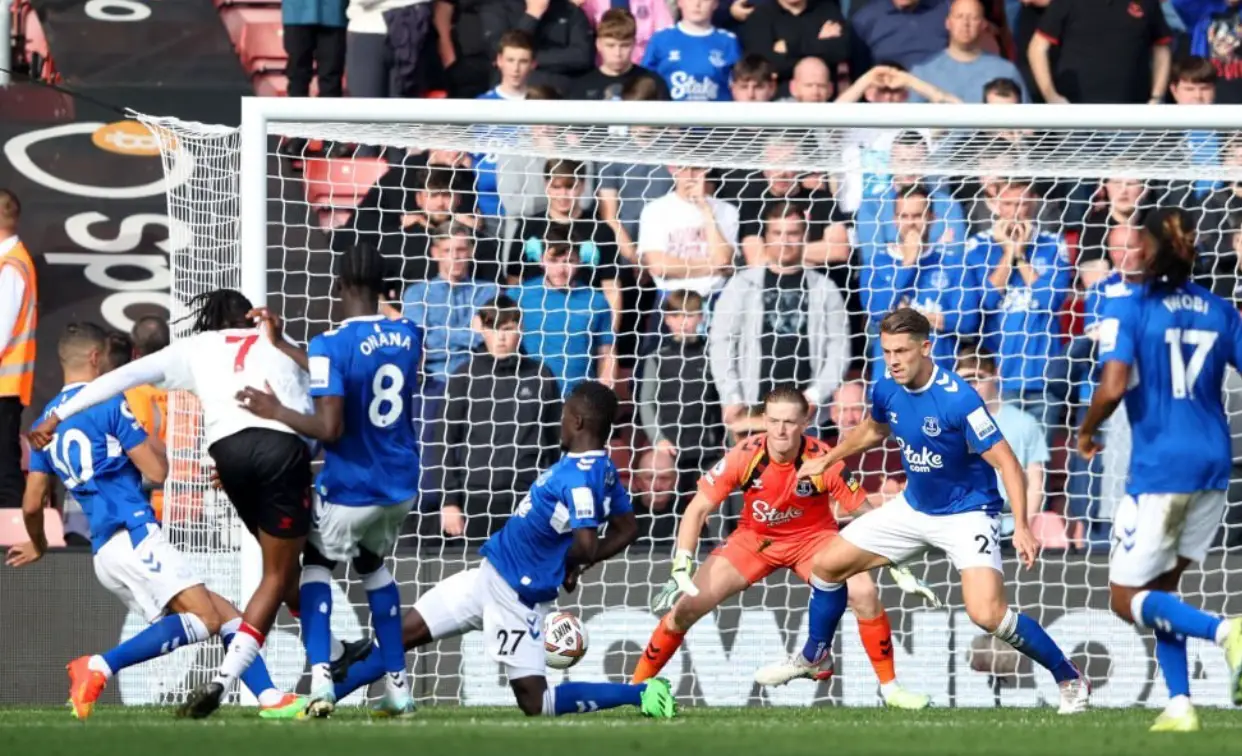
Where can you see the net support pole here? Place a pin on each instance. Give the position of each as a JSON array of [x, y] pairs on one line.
[[252, 186]]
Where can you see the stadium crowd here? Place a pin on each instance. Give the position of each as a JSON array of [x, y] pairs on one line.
[[694, 291]]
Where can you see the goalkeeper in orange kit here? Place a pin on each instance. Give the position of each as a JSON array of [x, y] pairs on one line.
[[784, 522]]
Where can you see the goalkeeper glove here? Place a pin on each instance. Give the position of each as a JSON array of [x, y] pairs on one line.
[[678, 583], [908, 583]]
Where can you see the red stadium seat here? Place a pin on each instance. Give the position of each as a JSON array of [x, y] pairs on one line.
[[338, 183], [13, 529], [237, 18], [262, 48]]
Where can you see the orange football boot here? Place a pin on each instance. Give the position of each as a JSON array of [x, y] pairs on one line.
[[85, 686]]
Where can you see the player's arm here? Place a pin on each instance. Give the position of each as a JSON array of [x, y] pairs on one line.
[[1117, 349], [276, 334], [622, 531], [327, 386], [22, 554], [150, 462], [1013, 478], [869, 434], [150, 369]]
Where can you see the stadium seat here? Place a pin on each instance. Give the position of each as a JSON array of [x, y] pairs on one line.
[[1049, 529], [338, 183], [262, 48], [237, 18], [13, 530]]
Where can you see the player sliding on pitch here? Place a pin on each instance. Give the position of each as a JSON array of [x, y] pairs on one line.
[[550, 539], [363, 375], [102, 455], [784, 524], [950, 445], [263, 466], [1164, 344]]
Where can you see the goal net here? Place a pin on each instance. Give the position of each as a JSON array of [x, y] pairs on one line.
[[698, 259]]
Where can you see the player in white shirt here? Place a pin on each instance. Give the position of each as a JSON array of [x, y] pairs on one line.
[[264, 466]]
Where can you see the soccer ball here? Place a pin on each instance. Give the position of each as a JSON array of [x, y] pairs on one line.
[[564, 640]]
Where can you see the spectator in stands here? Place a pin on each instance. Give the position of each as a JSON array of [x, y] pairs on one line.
[[677, 403], [149, 403], [385, 46], [614, 41], [828, 240], [687, 238], [919, 270], [445, 306], [563, 217], [1106, 52], [1217, 262], [866, 152], [654, 494], [963, 69], [1003, 91], [787, 31], [490, 448], [753, 80], [1020, 429], [811, 81], [905, 31], [314, 36], [1215, 28], [1024, 275], [18, 318], [1126, 202], [626, 188], [567, 324], [515, 60], [999, 155], [561, 34], [907, 153], [694, 57], [1192, 81], [779, 324], [650, 16]]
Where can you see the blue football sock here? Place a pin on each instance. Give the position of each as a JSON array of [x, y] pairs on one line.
[[361, 674], [256, 678], [1165, 612], [828, 602], [1025, 634], [316, 616], [385, 602], [582, 697], [160, 637], [1171, 654]]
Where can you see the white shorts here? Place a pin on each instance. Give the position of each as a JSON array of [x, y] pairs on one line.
[[480, 599], [898, 532], [1150, 533], [147, 576], [340, 532]]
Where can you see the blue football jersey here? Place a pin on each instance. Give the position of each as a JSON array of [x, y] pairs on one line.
[[579, 491], [1177, 344], [943, 430], [88, 454], [696, 67], [373, 363]]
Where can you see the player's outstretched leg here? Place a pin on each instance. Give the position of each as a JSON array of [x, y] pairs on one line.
[[315, 617], [876, 633], [369, 666], [717, 580], [385, 602], [274, 703], [654, 698], [984, 595]]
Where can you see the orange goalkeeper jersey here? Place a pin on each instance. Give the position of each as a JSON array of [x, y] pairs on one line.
[[776, 502]]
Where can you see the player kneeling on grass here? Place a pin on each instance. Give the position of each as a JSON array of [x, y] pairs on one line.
[[784, 523], [950, 445], [550, 539], [1165, 343], [102, 455], [363, 374]]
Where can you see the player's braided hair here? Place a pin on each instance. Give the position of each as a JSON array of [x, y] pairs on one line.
[[596, 404], [1173, 230], [362, 267], [219, 309]]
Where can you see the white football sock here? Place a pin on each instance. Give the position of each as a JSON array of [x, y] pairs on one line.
[[271, 697], [97, 664], [242, 651], [889, 688], [1223, 630], [338, 649], [321, 677]]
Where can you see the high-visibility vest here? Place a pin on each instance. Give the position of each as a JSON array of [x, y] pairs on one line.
[[17, 361], [150, 407]]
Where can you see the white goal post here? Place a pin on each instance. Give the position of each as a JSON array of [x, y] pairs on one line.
[[245, 222]]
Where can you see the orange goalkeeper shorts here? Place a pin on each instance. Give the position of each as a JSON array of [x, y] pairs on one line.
[[756, 556]]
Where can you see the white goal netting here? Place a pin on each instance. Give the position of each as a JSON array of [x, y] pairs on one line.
[[698, 268]]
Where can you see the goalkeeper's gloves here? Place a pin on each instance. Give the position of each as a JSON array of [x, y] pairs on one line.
[[678, 583], [908, 583]]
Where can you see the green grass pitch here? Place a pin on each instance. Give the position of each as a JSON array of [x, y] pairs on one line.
[[824, 731]]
